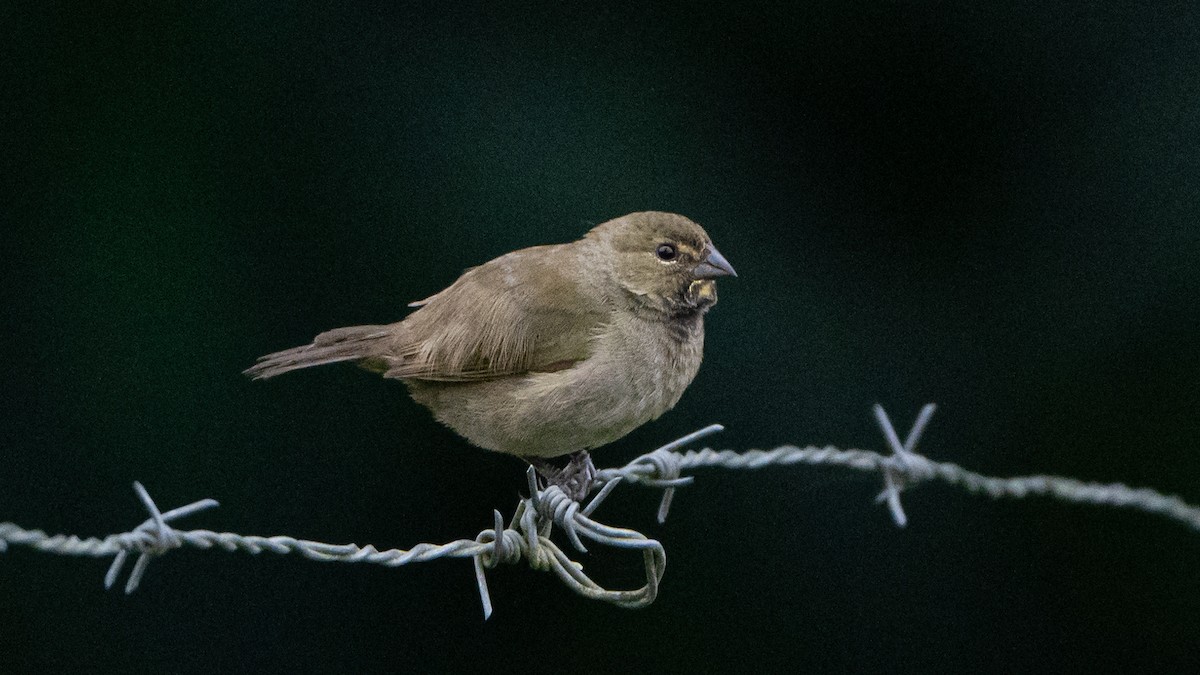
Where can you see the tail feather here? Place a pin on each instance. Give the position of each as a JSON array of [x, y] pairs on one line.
[[354, 343]]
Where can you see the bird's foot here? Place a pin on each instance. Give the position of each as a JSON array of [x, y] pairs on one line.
[[575, 478]]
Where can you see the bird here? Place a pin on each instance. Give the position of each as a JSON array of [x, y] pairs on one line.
[[551, 351]]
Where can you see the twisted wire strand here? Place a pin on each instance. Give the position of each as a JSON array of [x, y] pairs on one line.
[[527, 536], [904, 469]]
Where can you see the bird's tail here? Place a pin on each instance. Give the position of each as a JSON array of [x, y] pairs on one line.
[[353, 343]]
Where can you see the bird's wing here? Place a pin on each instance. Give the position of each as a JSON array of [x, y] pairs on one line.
[[524, 311]]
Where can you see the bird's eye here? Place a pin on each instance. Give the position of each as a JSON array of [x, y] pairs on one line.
[[665, 252]]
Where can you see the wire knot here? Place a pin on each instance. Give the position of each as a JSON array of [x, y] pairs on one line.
[[902, 468], [505, 549], [153, 537], [557, 506], [666, 467]]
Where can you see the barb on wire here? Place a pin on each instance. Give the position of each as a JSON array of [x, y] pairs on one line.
[[895, 480], [528, 534], [153, 537]]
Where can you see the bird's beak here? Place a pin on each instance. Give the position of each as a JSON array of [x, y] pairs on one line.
[[715, 265]]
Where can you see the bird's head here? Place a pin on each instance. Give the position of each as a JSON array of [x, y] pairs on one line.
[[664, 259]]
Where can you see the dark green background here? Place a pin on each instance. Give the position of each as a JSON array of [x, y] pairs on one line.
[[988, 205]]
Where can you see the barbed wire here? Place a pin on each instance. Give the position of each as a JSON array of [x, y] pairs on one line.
[[527, 536]]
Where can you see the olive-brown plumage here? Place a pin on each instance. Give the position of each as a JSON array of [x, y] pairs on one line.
[[549, 350]]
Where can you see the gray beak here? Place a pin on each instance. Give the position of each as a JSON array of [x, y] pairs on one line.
[[715, 265]]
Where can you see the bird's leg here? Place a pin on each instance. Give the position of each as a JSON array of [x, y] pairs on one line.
[[575, 478]]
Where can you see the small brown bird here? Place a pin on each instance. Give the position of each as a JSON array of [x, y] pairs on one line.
[[550, 350]]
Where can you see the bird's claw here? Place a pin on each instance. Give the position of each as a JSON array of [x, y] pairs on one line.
[[574, 479]]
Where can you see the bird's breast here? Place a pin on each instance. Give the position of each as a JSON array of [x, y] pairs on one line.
[[661, 358]]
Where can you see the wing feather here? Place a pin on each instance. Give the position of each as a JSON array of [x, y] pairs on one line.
[[524, 311]]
